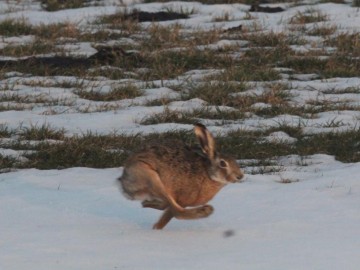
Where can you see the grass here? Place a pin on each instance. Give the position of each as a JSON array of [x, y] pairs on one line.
[[215, 93], [251, 72], [309, 16], [322, 31], [192, 117], [42, 132], [11, 27], [122, 92], [271, 39], [346, 44], [100, 151], [5, 131], [170, 64], [37, 47], [92, 150], [162, 56], [7, 163]]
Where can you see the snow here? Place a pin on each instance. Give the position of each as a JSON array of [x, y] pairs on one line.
[[77, 219], [306, 216]]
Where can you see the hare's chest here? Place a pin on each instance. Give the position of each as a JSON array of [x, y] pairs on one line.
[[199, 195]]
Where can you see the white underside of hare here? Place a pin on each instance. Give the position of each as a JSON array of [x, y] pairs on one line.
[[219, 180]]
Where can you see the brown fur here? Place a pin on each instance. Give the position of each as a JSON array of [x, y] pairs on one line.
[[171, 176]]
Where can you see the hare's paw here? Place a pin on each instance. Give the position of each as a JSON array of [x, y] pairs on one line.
[[156, 204], [205, 211]]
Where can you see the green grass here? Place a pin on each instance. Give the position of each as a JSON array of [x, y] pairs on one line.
[[309, 16], [163, 56], [92, 150], [42, 132], [31, 49], [100, 151], [7, 163], [5, 132], [215, 93], [11, 27], [245, 145], [251, 72], [192, 117], [122, 92]]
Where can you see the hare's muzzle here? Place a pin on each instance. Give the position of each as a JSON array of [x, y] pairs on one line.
[[239, 178]]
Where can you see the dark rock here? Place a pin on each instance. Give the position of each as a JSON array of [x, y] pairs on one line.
[[257, 8], [142, 16]]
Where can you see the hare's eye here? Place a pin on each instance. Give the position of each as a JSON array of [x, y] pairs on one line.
[[223, 163]]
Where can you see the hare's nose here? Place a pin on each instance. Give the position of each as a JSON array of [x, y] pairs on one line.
[[239, 178]]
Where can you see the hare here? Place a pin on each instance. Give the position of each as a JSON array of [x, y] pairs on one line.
[[171, 176]]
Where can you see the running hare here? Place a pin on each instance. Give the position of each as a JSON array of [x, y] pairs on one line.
[[171, 176]]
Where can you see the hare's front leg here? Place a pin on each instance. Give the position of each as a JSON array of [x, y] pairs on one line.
[[164, 219], [155, 204]]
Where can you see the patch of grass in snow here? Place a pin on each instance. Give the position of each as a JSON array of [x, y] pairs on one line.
[[5, 131], [22, 102], [159, 102], [7, 162], [242, 144], [15, 27], [266, 57], [195, 116], [271, 39], [43, 132], [20, 27], [248, 145], [247, 71], [95, 151], [122, 92], [101, 35], [173, 36], [346, 44], [168, 116], [322, 30], [274, 94], [344, 146], [117, 21], [88, 150], [55, 31], [38, 46], [208, 2], [333, 66], [309, 16], [100, 151], [347, 90], [215, 93], [170, 64]]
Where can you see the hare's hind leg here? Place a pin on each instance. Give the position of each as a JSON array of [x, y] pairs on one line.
[[194, 213]]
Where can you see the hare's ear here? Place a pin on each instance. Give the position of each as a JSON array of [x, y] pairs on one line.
[[206, 140]]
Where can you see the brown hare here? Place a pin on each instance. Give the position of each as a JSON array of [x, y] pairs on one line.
[[171, 176]]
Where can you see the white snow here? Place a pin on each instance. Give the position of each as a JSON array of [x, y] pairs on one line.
[[307, 216], [77, 219]]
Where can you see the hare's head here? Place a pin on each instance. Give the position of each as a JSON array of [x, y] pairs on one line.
[[222, 168]]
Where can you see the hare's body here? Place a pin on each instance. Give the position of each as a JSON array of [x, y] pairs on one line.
[[171, 176], [163, 159]]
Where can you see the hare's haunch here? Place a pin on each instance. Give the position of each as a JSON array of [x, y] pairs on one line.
[[171, 176]]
